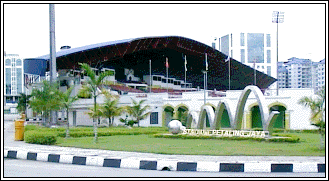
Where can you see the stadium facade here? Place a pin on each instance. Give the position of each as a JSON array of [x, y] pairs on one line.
[[133, 60]]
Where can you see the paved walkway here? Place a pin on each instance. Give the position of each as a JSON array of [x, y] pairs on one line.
[[135, 159]]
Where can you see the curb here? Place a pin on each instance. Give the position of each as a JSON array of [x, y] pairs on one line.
[[169, 165]]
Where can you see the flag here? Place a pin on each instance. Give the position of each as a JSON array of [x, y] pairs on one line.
[[227, 59], [167, 64], [206, 63], [185, 63]]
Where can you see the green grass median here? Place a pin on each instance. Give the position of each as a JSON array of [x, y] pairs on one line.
[[143, 140], [148, 144]]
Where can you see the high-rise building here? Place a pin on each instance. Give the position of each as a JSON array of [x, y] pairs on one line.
[[282, 75], [301, 73], [299, 70], [13, 80], [321, 67]]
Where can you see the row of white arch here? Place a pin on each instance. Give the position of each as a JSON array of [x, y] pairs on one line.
[[199, 121]]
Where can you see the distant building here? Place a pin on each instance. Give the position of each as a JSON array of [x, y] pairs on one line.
[[13, 81], [253, 49], [250, 48], [282, 75], [320, 75], [301, 73]]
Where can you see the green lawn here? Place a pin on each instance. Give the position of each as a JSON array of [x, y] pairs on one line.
[[308, 146]]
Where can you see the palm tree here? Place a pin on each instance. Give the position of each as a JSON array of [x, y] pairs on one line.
[[95, 114], [45, 100], [84, 92], [23, 102], [137, 111], [110, 108], [94, 82], [317, 106], [67, 101]]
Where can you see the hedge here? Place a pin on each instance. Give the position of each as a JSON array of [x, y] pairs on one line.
[[89, 132], [37, 137], [290, 138]]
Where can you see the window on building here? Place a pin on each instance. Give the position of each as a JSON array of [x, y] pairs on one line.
[[231, 40], [225, 45], [8, 81], [243, 55], [268, 52], [19, 62], [8, 62], [154, 118], [241, 39], [269, 70], [255, 47], [19, 80], [268, 40]]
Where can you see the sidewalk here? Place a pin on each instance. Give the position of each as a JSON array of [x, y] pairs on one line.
[[150, 161]]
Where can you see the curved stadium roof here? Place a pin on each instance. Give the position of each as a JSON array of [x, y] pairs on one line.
[[135, 54]]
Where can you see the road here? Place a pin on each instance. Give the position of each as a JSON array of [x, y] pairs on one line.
[[28, 168]]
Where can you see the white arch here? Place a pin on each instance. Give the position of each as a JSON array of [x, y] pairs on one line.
[[219, 114], [192, 120], [264, 113], [206, 109]]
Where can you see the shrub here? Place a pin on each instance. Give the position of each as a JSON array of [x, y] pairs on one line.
[[37, 137], [290, 138], [31, 127]]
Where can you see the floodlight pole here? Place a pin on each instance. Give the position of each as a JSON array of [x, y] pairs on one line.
[[277, 17], [52, 61]]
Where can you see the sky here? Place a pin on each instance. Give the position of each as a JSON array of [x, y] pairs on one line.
[[25, 27]]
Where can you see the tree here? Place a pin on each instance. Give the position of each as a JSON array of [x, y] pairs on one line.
[[110, 108], [84, 92], [23, 102], [45, 100], [137, 111], [66, 102], [95, 114], [317, 106], [93, 83]]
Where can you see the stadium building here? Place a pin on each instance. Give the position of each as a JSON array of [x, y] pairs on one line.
[[176, 66]]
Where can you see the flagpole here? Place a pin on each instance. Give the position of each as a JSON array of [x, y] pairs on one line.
[[255, 72], [206, 73], [167, 65], [185, 73], [229, 73], [151, 79]]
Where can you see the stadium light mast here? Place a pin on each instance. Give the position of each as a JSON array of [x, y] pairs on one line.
[[277, 17], [52, 52]]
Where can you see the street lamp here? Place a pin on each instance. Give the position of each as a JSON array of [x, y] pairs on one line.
[[277, 17]]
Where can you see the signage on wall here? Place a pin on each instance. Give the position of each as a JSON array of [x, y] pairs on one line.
[[227, 133]]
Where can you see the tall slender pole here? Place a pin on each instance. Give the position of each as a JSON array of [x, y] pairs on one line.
[[254, 71], [206, 72], [151, 79], [167, 65], [229, 74], [204, 86], [277, 54], [52, 52], [185, 73]]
